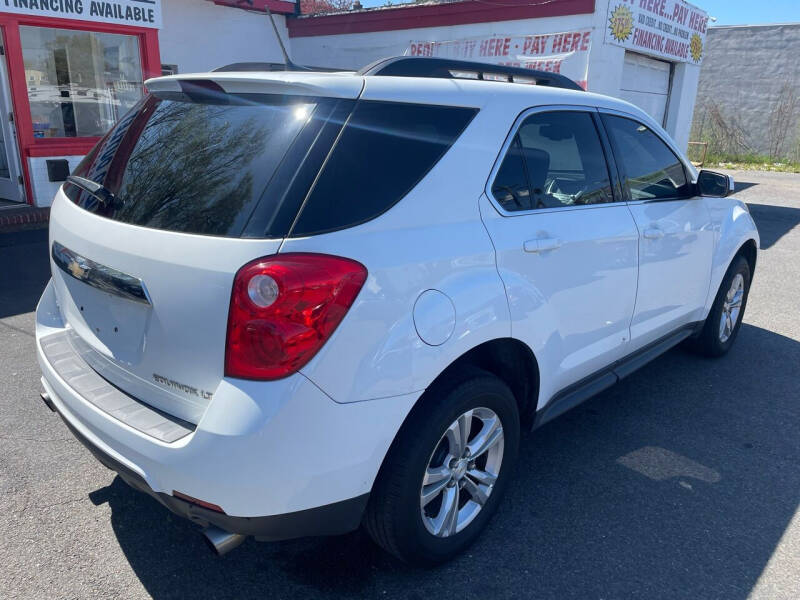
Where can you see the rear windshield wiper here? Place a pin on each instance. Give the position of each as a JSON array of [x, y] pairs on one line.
[[99, 191]]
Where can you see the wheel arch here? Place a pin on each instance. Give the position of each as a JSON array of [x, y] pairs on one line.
[[510, 360], [507, 358], [749, 251], [738, 236]]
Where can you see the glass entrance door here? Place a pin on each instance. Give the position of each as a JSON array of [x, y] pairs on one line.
[[10, 186]]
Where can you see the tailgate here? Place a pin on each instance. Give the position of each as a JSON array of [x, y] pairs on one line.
[[169, 350], [147, 235]]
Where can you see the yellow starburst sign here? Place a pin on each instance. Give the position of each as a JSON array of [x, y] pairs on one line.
[[621, 23], [696, 47]]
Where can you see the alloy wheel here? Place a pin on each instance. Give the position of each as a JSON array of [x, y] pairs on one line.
[[461, 472], [731, 308]]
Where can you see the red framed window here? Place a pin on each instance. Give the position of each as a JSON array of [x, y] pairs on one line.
[[70, 80], [79, 82]]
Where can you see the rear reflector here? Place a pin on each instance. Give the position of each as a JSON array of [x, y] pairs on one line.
[[202, 503], [283, 310]]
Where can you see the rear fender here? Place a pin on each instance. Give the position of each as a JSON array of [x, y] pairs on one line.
[[431, 295]]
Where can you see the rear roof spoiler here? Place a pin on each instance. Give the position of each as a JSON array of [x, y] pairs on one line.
[[251, 67], [291, 83], [422, 66]]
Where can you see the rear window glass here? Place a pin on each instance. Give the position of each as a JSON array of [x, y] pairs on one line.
[[189, 165], [384, 150]]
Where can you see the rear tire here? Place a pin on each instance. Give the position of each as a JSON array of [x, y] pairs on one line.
[[722, 325], [427, 504]]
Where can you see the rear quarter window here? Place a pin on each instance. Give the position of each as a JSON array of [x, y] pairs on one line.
[[384, 150]]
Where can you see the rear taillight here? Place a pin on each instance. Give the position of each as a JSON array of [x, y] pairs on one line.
[[284, 308]]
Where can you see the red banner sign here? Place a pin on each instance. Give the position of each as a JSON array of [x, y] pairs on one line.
[[565, 52]]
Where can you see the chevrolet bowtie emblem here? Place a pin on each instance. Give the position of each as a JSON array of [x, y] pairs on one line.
[[77, 270], [99, 276]]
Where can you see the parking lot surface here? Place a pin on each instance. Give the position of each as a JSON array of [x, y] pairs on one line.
[[681, 482]]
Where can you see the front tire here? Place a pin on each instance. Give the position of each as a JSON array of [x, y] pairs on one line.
[[725, 318], [445, 474]]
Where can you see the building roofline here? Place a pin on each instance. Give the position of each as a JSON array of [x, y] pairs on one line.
[[283, 7], [795, 24]]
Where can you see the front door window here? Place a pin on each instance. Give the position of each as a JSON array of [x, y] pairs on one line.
[[652, 169]]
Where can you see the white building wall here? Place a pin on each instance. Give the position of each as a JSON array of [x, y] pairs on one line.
[[43, 189], [680, 110], [199, 36], [353, 51]]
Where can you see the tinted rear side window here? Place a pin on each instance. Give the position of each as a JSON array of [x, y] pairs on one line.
[[565, 160], [384, 150], [192, 166]]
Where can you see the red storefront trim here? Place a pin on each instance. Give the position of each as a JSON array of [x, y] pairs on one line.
[[36, 147], [67, 147], [436, 15]]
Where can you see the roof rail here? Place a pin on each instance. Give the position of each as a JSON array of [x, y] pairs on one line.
[[446, 68], [269, 66]]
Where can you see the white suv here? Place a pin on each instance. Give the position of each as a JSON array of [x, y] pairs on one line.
[[289, 304]]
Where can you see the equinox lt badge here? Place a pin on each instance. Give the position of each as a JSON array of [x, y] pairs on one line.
[[181, 387]]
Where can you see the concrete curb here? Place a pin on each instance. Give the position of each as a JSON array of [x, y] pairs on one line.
[[23, 217]]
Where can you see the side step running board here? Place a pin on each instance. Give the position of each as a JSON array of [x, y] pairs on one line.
[[594, 384]]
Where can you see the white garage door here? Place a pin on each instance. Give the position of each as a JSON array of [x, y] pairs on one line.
[[645, 83]]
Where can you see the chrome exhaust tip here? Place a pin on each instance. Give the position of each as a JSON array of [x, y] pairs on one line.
[[221, 541], [47, 401]]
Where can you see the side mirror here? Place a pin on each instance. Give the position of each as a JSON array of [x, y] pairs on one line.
[[716, 185]]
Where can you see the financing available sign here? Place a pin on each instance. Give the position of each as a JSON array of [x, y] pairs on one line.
[[138, 13], [670, 29], [566, 52]]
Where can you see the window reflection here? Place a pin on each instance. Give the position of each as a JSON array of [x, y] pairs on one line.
[[190, 166], [79, 82], [652, 169], [555, 160]]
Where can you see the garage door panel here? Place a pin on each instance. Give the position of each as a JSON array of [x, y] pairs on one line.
[[645, 83], [653, 104], [645, 74]]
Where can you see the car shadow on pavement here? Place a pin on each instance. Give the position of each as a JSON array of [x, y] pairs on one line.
[[740, 186], [773, 222], [25, 271], [677, 483]]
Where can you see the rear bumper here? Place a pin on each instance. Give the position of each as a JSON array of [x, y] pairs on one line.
[[332, 519], [267, 453]]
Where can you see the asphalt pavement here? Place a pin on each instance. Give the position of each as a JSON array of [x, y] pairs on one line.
[[681, 482]]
